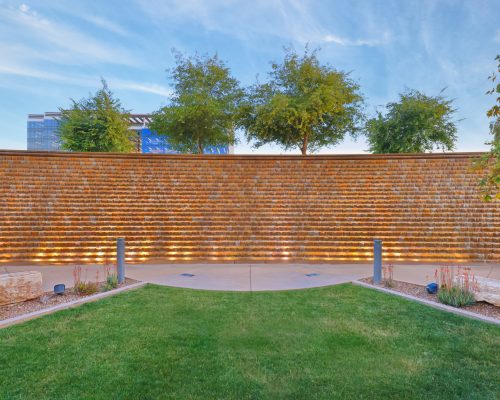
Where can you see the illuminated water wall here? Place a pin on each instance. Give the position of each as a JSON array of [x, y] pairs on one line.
[[69, 208]]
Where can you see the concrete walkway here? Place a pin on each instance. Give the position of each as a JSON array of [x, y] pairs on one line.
[[245, 277]]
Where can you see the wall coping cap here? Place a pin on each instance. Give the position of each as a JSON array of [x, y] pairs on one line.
[[51, 154]]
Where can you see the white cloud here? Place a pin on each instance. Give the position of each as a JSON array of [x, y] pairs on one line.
[[61, 40], [104, 23], [87, 81], [356, 42], [24, 8], [85, 12], [141, 87], [20, 70], [291, 20], [42, 48]]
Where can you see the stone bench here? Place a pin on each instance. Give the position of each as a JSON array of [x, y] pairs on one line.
[[20, 286]]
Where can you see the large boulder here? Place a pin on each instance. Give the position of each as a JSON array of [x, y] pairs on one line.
[[487, 290], [20, 286]]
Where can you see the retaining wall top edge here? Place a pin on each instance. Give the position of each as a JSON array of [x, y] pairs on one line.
[[48, 154]]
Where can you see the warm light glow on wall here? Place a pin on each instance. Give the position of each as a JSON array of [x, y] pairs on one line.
[[218, 210]]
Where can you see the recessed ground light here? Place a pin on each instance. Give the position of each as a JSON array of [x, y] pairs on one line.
[[188, 275], [313, 274]]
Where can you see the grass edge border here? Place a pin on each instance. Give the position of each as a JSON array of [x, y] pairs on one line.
[[439, 306], [70, 304], [35, 314]]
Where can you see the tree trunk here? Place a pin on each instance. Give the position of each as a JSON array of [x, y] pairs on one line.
[[200, 147], [303, 148]]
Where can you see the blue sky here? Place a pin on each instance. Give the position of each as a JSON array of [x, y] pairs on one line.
[[51, 51]]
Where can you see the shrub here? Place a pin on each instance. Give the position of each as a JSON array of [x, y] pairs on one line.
[[111, 278], [388, 275], [456, 297], [456, 289], [77, 275], [111, 282], [84, 287]]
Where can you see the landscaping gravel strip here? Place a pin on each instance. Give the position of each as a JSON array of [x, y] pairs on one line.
[[49, 299], [412, 289], [61, 306], [431, 303]]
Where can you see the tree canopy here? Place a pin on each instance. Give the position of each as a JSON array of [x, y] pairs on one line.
[[305, 105], [417, 123], [490, 163], [203, 110], [96, 124]]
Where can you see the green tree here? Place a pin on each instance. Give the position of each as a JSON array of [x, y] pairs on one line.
[[490, 162], [96, 124], [416, 124], [203, 110], [304, 104]]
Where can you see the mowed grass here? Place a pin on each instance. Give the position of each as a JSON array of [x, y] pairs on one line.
[[341, 342]]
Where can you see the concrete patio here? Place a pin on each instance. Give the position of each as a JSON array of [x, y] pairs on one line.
[[246, 277]]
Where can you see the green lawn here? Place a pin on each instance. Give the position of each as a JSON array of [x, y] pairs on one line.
[[341, 342]]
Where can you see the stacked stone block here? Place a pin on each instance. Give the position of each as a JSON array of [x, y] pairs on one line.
[[61, 208]]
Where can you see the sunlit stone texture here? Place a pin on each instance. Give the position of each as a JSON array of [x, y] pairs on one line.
[[20, 286], [61, 208], [487, 290]]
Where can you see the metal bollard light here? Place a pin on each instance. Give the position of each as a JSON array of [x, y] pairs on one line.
[[377, 261], [120, 259]]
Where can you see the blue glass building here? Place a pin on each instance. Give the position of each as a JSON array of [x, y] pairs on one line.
[[158, 144], [42, 135], [42, 132], [154, 144]]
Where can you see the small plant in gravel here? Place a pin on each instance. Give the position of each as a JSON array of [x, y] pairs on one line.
[[456, 297], [456, 288], [388, 275], [111, 282], [111, 278], [84, 287]]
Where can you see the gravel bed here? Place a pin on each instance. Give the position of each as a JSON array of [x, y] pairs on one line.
[[480, 307], [48, 299]]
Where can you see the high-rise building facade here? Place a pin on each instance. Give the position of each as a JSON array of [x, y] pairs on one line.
[[42, 135], [42, 132]]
